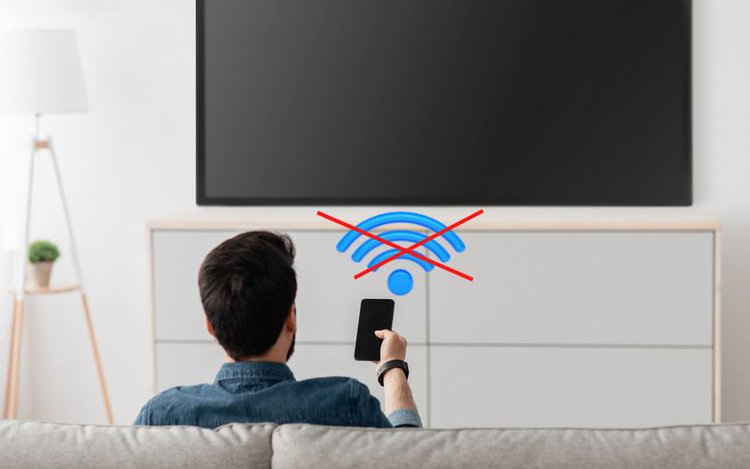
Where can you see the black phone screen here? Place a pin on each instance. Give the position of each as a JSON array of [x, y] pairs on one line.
[[374, 314]]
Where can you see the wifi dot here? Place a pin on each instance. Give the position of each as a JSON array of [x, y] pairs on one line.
[[400, 282]]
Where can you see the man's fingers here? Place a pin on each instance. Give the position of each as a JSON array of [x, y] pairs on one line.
[[380, 334]]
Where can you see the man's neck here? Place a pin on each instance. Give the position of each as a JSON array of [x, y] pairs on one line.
[[278, 353]]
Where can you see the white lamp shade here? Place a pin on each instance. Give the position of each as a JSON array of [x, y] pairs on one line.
[[40, 72]]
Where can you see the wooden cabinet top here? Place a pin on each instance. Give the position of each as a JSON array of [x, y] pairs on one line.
[[494, 218]]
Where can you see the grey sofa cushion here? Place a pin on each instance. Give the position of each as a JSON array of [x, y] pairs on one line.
[[34, 444], [26, 444], [721, 446]]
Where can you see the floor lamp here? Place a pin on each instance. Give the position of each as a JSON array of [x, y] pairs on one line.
[[40, 73]]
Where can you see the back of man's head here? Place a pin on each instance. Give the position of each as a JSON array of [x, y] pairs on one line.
[[247, 286]]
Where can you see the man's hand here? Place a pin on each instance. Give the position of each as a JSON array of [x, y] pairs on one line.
[[393, 346]]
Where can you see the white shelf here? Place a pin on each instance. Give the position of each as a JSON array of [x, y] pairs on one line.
[[51, 290]]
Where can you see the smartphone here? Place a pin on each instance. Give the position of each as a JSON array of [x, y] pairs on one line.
[[373, 315]]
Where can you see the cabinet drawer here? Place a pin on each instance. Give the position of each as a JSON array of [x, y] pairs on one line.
[[328, 297], [177, 256], [186, 364], [562, 387], [577, 287]]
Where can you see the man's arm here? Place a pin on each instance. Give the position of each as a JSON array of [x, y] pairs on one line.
[[399, 402]]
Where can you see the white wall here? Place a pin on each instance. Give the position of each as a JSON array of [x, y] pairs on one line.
[[132, 159], [721, 93]]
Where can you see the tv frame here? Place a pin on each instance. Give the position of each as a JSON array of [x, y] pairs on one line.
[[202, 199]]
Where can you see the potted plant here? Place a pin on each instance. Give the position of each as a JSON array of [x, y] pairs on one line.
[[42, 255]]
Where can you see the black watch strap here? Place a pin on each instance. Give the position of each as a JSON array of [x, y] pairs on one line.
[[389, 365]]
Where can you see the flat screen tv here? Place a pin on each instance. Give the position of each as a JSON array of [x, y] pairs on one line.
[[444, 102]]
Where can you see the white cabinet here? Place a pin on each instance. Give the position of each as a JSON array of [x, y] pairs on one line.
[[600, 324], [577, 386], [572, 287]]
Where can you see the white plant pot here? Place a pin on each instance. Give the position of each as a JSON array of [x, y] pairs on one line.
[[41, 272]]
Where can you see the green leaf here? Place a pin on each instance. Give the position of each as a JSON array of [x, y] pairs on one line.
[[43, 251]]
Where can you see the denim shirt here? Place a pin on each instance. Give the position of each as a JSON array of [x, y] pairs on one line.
[[267, 392]]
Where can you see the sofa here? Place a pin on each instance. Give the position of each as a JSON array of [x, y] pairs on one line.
[[27, 444]]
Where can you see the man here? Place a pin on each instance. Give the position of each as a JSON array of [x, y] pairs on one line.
[[248, 288]]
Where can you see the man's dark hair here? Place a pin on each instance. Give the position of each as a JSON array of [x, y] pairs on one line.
[[247, 286]]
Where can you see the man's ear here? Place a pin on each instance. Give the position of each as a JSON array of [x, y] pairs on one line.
[[210, 328], [291, 319]]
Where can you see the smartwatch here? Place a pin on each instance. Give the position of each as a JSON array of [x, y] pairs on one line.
[[389, 365]]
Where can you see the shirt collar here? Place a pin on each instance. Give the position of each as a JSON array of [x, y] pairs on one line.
[[267, 370]]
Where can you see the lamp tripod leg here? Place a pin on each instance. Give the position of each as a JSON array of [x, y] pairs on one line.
[[9, 371], [10, 405], [10, 400], [99, 369]]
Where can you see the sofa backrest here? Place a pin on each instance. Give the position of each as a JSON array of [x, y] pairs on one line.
[[706, 446], [34, 444]]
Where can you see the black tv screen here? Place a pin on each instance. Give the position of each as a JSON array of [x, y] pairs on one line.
[[450, 102]]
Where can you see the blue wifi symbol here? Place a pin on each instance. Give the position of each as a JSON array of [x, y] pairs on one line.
[[400, 281]]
